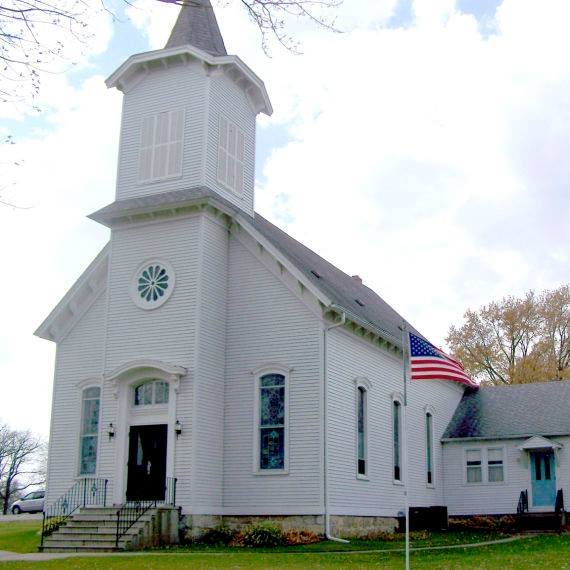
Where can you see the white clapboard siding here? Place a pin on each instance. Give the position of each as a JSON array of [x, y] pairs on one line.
[[351, 358], [267, 324], [208, 413], [496, 498], [230, 161], [79, 357], [168, 333], [180, 91]]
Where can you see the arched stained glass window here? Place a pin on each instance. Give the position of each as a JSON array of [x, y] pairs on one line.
[[397, 439], [361, 429], [90, 404], [429, 448], [272, 422]]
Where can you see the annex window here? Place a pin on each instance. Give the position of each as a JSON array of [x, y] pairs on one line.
[[91, 398], [397, 439], [271, 402], [362, 429], [429, 448], [495, 469], [473, 464], [162, 142], [151, 392], [231, 152]]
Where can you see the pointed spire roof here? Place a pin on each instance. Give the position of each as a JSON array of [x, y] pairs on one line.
[[197, 26]]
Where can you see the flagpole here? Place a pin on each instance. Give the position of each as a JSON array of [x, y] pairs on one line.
[[405, 357]]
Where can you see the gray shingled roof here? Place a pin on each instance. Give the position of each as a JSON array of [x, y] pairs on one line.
[[356, 298], [521, 410], [197, 26]]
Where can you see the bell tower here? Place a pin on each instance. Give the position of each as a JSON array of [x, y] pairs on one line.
[[189, 115]]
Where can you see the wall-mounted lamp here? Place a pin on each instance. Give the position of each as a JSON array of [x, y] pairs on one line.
[[177, 428], [111, 431]]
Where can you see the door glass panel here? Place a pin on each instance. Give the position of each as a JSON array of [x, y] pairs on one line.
[[547, 467], [537, 468]]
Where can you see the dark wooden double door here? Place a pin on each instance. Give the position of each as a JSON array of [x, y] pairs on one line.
[[146, 479]]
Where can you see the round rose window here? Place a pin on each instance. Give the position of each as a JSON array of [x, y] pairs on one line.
[[152, 284]]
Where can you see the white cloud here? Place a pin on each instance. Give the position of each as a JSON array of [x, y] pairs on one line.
[[68, 172], [430, 160]]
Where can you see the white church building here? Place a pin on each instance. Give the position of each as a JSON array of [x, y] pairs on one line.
[[209, 361]]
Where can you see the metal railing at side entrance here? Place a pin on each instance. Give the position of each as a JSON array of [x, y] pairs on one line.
[[85, 492], [522, 506], [130, 513]]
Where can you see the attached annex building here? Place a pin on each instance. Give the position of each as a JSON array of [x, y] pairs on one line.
[[207, 349]]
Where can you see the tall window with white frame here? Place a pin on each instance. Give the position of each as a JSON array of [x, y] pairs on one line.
[[89, 437], [429, 448], [397, 439], [362, 430], [272, 422]]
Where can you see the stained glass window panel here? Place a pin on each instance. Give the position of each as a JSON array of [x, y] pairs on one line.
[[429, 450], [161, 393], [88, 454], [89, 430], [272, 406], [90, 423], [272, 448], [361, 431], [396, 441]]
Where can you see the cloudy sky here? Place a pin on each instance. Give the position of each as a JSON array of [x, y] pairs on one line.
[[424, 148]]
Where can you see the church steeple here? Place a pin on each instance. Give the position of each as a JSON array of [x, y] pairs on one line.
[[189, 115], [197, 26]]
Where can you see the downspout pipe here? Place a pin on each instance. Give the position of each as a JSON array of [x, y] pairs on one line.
[[325, 429]]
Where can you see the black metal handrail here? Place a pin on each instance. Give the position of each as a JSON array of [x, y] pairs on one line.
[[132, 511], [522, 506], [85, 492], [559, 505]]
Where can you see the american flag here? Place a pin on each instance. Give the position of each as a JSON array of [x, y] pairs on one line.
[[430, 363]]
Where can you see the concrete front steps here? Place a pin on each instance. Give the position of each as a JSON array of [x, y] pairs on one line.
[[93, 529], [541, 521]]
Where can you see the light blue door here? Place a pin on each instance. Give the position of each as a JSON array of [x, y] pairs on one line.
[[543, 476]]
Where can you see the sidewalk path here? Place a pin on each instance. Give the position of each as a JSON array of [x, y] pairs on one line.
[[6, 556]]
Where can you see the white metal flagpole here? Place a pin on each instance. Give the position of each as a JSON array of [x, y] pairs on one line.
[[405, 360]]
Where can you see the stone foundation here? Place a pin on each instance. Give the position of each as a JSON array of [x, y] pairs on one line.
[[314, 523], [348, 526], [193, 526]]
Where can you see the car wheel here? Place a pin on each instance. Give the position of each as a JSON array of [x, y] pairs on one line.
[[16, 510]]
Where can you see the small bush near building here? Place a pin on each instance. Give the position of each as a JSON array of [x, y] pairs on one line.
[[263, 534], [218, 536]]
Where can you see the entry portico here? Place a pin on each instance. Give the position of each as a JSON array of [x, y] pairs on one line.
[[146, 392]]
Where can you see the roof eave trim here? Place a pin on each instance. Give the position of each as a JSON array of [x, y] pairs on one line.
[[284, 260], [498, 437], [111, 219], [47, 330], [114, 79]]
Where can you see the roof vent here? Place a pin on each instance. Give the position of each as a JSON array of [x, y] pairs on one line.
[[359, 302], [315, 274], [357, 278]]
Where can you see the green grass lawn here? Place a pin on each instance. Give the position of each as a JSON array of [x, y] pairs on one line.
[[20, 536], [544, 552], [550, 552]]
